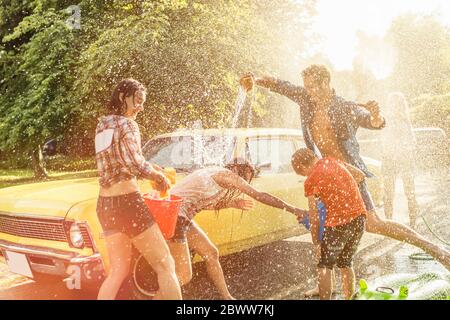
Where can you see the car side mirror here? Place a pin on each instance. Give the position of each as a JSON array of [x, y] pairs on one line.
[[264, 165], [49, 148]]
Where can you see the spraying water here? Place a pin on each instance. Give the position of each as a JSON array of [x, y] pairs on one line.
[[250, 109], [240, 101], [216, 151], [238, 107]]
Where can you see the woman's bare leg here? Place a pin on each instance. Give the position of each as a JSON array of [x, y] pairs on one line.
[[182, 257], [152, 245], [398, 231], [119, 251], [201, 244]]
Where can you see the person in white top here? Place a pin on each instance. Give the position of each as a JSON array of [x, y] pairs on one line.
[[214, 188], [398, 143]]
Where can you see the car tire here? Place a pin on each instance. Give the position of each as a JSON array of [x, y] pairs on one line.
[[142, 283]]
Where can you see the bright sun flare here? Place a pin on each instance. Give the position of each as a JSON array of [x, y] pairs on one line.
[[338, 22]]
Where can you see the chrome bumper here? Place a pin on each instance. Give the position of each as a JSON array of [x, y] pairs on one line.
[[60, 259]]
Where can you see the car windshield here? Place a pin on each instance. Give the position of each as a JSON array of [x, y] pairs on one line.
[[187, 153]]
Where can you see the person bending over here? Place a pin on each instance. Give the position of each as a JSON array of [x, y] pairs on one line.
[[213, 188]]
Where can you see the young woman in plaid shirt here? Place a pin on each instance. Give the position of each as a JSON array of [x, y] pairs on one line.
[[124, 217]]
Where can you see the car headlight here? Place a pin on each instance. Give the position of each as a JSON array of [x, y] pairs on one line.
[[76, 237]]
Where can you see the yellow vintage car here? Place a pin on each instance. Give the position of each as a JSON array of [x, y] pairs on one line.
[[51, 228]]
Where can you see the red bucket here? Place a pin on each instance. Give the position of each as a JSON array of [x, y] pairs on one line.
[[165, 213]]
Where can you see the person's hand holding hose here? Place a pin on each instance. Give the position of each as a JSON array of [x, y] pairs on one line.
[[300, 214], [247, 81]]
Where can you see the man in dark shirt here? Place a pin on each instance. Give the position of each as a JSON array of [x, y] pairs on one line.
[[329, 124]]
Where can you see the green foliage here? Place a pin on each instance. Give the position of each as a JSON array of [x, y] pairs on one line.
[[432, 111], [422, 47], [189, 55], [55, 80], [33, 103]]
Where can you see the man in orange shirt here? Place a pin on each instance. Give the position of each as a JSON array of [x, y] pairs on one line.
[[335, 183]]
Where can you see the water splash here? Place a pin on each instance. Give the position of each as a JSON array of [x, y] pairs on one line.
[[211, 150], [250, 109], [238, 107], [219, 150], [240, 101]]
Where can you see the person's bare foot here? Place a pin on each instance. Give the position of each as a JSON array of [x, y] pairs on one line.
[[314, 292]]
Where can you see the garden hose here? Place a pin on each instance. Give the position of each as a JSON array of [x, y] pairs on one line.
[[434, 233], [422, 256]]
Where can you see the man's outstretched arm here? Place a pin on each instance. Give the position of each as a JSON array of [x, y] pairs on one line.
[[285, 88]]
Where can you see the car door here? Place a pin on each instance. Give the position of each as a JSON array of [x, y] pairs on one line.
[[265, 222]]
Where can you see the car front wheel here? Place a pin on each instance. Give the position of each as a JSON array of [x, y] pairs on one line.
[[142, 283]]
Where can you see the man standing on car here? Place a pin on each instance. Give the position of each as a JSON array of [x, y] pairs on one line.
[[329, 124]]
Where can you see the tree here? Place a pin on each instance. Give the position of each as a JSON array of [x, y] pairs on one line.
[[422, 47], [189, 54], [33, 91], [432, 111], [38, 62]]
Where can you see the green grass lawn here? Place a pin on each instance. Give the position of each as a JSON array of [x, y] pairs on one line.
[[13, 177]]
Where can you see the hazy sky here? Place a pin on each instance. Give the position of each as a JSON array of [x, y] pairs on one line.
[[338, 21]]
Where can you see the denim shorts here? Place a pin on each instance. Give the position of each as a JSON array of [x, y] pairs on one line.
[[181, 229], [127, 214], [340, 243], [365, 194], [187, 212]]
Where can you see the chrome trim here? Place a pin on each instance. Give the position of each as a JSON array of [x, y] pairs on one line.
[[58, 267], [91, 236], [46, 229], [70, 257], [31, 216], [53, 220]]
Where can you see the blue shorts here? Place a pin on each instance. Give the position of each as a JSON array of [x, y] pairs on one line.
[[365, 194]]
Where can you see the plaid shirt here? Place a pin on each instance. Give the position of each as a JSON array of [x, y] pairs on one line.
[[118, 151]]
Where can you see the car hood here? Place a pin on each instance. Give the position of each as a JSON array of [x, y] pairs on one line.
[[53, 198]]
